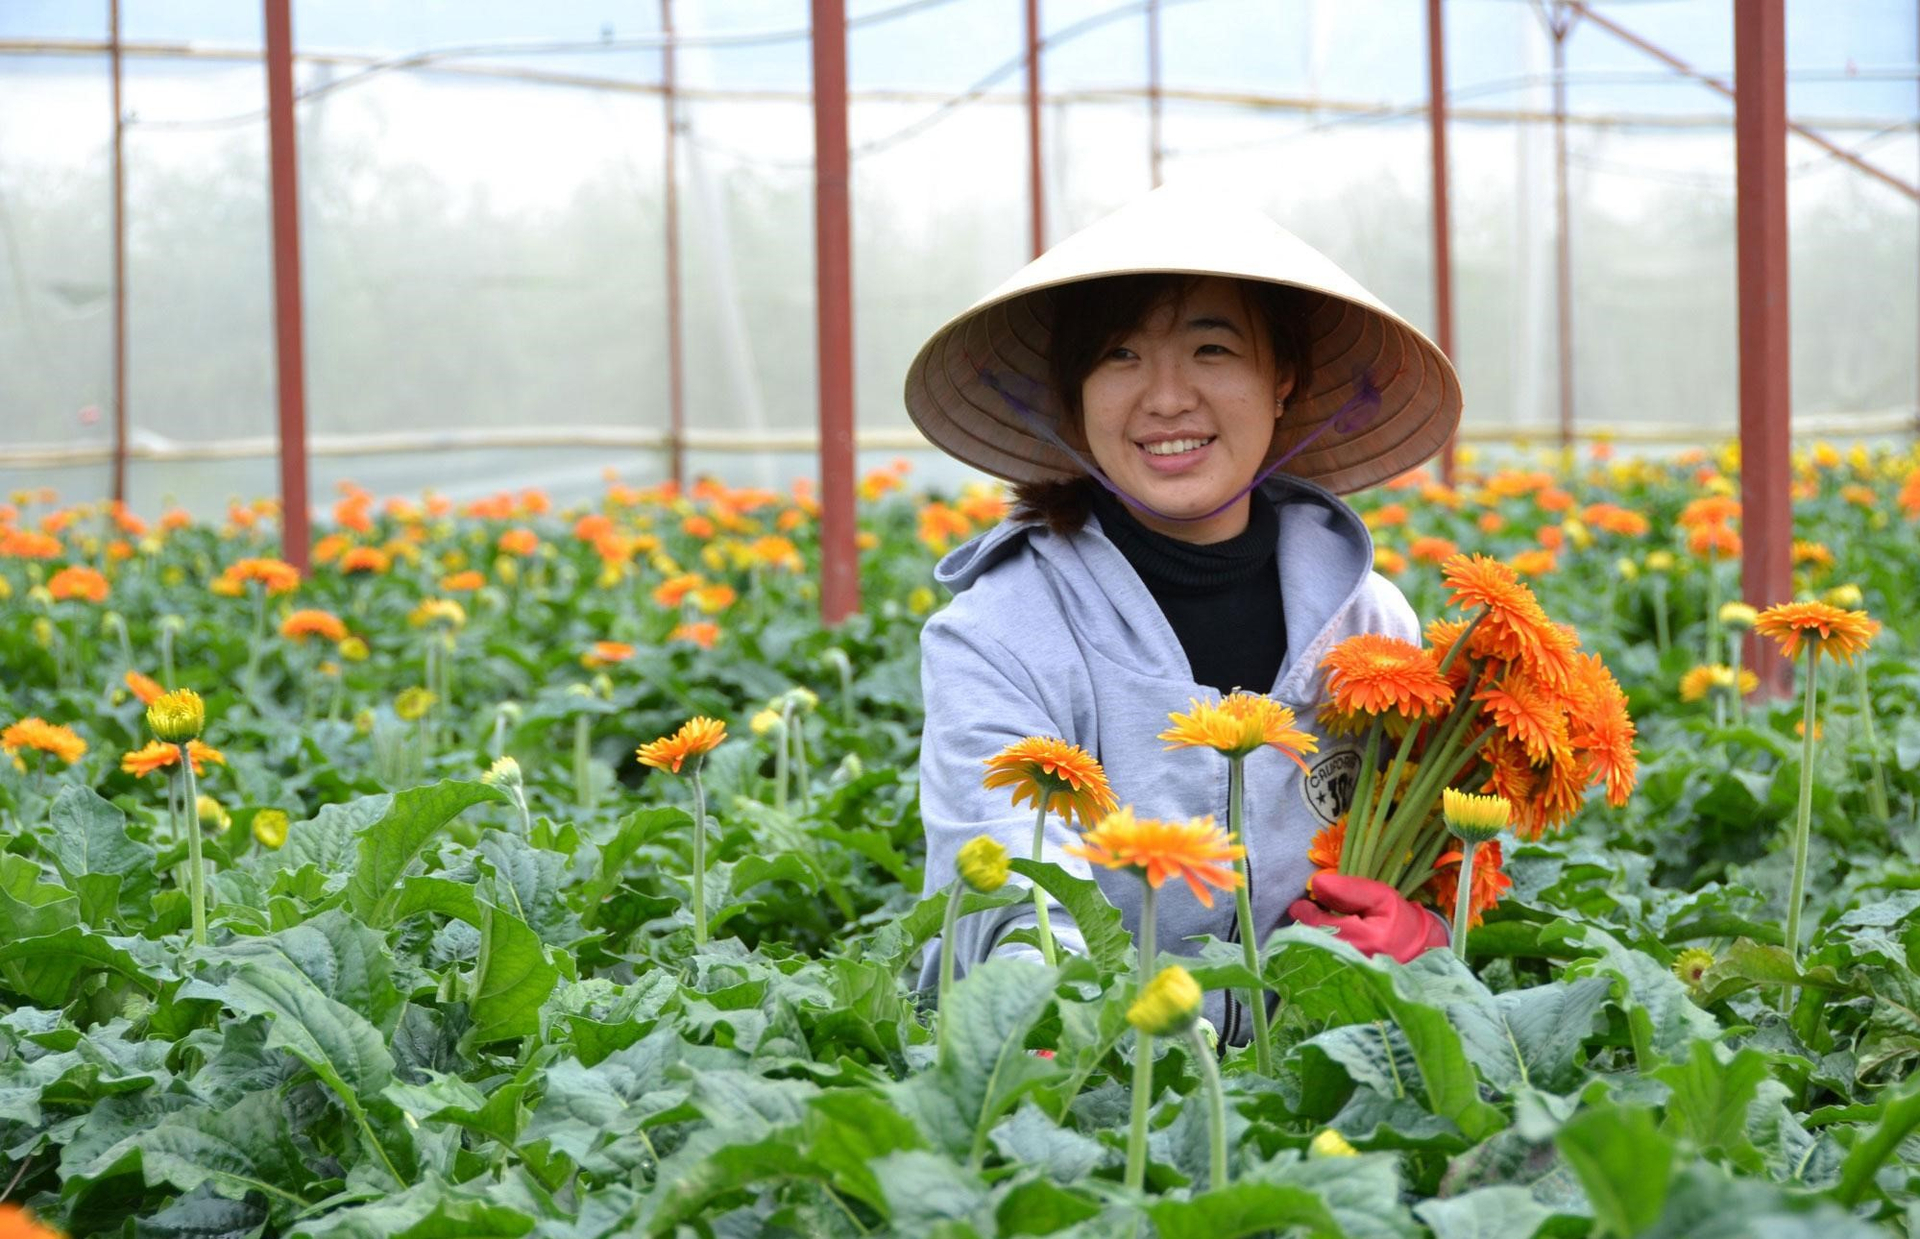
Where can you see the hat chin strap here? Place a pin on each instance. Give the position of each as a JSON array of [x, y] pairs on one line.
[[1355, 415]]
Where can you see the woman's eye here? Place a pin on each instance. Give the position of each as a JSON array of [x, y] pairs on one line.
[[1120, 353], [1212, 349]]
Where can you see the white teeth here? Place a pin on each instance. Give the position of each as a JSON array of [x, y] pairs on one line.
[[1173, 447]]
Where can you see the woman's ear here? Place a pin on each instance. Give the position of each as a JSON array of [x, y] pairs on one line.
[[1282, 388]]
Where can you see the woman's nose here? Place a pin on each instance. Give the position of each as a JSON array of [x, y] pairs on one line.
[[1170, 390]]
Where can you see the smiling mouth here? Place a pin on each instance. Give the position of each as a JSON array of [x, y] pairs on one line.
[[1176, 447]]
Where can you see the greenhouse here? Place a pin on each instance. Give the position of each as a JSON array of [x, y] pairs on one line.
[[960, 618]]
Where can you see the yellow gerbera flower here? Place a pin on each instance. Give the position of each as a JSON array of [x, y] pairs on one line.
[[1237, 725]]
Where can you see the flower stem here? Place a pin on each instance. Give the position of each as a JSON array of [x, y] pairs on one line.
[[1041, 913], [583, 761], [1803, 818], [798, 733], [1736, 648], [1713, 606], [1463, 899], [1243, 909], [782, 760], [948, 925], [1660, 637], [699, 859], [1142, 1054], [196, 872], [1362, 793], [1216, 1108], [1877, 789]]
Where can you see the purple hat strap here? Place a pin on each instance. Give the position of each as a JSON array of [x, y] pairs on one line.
[[1355, 415]]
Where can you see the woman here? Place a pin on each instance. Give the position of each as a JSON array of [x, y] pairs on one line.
[[1139, 383]]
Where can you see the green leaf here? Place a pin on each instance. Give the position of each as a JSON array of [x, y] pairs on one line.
[[31, 908], [1625, 1164], [636, 830], [987, 1068], [1041, 1207], [897, 942], [337, 1043], [1108, 943], [246, 1148], [1323, 981], [1661, 1014], [924, 1189], [1711, 1100], [90, 836], [393, 841], [1530, 1038], [50, 963], [510, 980], [1249, 1207], [1899, 1116], [1500, 1212], [428, 1210]]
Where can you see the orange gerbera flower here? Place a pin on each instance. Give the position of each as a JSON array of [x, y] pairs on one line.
[[519, 541], [365, 559], [674, 590], [1489, 881], [462, 582], [1328, 843], [1714, 542], [606, 653], [1710, 510], [1515, 629], [1836, 633], [158, 755], [276, 576], [300, 625], [1432, 550], [1370, 672], [697, 737], [147, 689], [702, 633], [1602, 728], [78, 582], [1812, 554], [18, 1223], [1196, 851], [30, 544], [1237, 725], [36, 733], [1527, 714], [1065, 777], [1910, 495]]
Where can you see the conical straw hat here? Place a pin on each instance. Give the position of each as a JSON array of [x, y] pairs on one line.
[[1354, 339]]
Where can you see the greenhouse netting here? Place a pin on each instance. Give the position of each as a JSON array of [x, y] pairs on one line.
[[482, 192]]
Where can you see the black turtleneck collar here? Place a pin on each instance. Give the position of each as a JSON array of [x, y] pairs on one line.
[[1222, 600], [1161, 560]]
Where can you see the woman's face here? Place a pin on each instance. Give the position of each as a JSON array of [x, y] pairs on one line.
[[1180, 411]]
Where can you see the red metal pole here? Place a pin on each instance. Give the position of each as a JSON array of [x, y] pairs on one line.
[[1036, 192], [1153, 90], [1760, 138], [288, 335], [1442, 224], [1563, 242], [119, 265], [833, 263], [676, 378]]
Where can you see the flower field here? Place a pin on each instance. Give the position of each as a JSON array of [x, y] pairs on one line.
[[535, 872]]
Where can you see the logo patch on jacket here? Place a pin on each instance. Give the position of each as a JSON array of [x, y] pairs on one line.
[[1328, 787]]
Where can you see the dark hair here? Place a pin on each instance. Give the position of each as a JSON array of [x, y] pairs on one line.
[[1089, 316]]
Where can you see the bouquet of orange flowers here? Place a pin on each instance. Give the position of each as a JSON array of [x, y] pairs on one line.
[[1500, 700]]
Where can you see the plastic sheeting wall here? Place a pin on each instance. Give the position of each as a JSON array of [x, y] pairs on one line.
[[484, 251]]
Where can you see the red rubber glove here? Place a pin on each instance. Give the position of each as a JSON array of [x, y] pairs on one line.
[[1377, 920]]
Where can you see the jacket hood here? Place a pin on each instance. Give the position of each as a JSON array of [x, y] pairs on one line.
[[1325, 555]]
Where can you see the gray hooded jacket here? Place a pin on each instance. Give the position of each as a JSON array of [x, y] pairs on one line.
[[1052, 635]]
